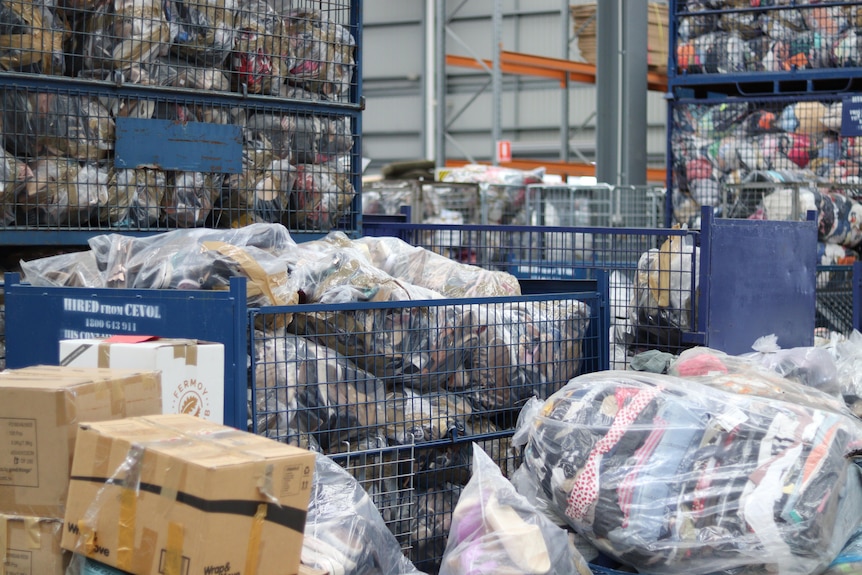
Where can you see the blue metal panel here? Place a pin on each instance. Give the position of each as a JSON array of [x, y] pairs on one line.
[[857, 296], [37, 318], [169, 145], [760, 279]]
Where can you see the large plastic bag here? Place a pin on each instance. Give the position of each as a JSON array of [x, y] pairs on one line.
[[677, 477], [31, 37], [255, 62], [77, 269], [849, 561], [496, 531], [433, 271], [134, 198], [317, 392], [189, 198], [810, 366], [320, 53], [66, 192], [203, 32], [746, 375], [321, 196], [123, 33], [344, 532]]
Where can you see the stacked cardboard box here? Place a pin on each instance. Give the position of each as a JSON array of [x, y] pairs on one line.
[[40, 408], [178, 494], [584, 17]]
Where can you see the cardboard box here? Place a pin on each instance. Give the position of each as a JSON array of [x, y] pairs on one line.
[[32, 546], [40, 408], [215, 499], [192, 371]]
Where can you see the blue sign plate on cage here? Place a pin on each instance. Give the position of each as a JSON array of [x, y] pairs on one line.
[[851, 116], [169, 145]]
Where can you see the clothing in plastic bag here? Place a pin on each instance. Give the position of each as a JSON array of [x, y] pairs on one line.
[[810, 366], [78, 269], [677, 477], [200, 259], [344, 532], [122, 33], [260, 193], [435, 503], [202, 32], [180, 74], [134, 198], [189, 198], [320, 53], [303, 388], [848, 360], [255, 62], [31, 37], [849, 561], [763, 377], [663, 296], [496, 530], [66, 192], [304, 139], [14, 176], [321, 196], [423, 267]]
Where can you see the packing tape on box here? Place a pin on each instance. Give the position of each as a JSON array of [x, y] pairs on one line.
[[174, 552], [188, 352], [118, 398], [33, 532], [104, 355], [4, 534], [126, 529], [252, 556]]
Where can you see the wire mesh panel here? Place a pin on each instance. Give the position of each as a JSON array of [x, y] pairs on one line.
[[353, 380], [654, 273], [718, 38], [300, 49], [834, 302], [563, 205], [141, 159], [785, 141]]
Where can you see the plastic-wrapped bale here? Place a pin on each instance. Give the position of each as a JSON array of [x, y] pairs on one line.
[[31, 37], [260, 193], [134, 198], [758, 375], [344, 531], [305, 389], [14, 175], [304, 139], [496, 530], [123, 33], [56, 124], [189, 198], [663, 295], [200, 259], [65, 192], [848, 361], [678, 477], [202, 32], [432, 520], [256, 61], [320, 53], [77, 269], [516, 351], [423, 267], [321, 196]]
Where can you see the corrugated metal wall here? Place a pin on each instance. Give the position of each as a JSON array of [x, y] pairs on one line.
[[394, 50]]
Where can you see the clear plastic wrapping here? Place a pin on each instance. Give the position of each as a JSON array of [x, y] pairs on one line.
[[322, 194], [134, 198], [320, 53], [122, 33], [433, 271], [204, 32], [31, 37], [78, 269], [67, 192], [497, 531], [344, 532], [255, 62], [677, 477]]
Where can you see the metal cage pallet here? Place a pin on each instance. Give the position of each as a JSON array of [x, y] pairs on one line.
[[395, 391], [508, 204], [693, 302], [211, 114], [767, 47]]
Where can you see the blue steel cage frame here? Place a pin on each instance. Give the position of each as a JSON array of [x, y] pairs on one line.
[[351, 108]]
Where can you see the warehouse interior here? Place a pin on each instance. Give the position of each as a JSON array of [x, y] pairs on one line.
[[451, 287]]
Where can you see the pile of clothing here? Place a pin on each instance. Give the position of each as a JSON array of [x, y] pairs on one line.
[[57, 165], [728, 36]]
